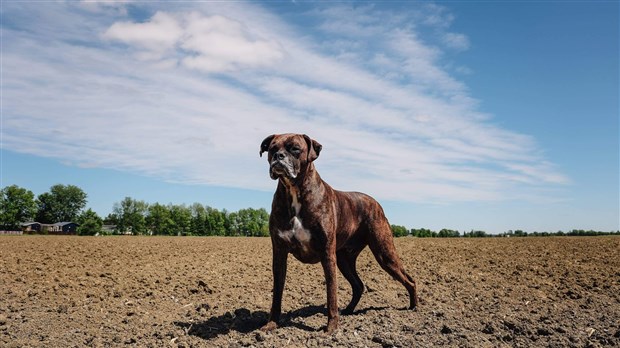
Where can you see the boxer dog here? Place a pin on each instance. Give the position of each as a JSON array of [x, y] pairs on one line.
[[316, 223]]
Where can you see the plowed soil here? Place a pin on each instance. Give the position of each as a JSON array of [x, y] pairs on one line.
[[58, 291]]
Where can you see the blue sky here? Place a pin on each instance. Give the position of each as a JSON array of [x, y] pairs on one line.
[[463, 115]]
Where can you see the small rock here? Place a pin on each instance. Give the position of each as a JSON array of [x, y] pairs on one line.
[[541, 331], [513, 327], [260, 336], [407, 328], [382, 341], [203, 308], [507, 338], [573, 295], [245, 342], [205, 287], [446, 330], [488, 329]]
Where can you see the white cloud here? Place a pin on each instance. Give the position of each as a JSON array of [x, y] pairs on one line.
[[393, 122], [222, 44], [208, 43], [457, 41], [158, 35]]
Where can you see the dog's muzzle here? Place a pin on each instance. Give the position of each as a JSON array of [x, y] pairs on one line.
[[278, 168]]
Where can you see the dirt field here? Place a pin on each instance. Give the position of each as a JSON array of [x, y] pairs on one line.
[[213, 292]]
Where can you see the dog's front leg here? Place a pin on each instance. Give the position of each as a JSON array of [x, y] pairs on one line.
[[329, 267], [280, 257]]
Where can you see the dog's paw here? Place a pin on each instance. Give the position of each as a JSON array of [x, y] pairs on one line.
[[331, 327], [270, 326]]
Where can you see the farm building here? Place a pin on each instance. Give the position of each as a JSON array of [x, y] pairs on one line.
[[61, 228], [108, 229], [57, 228], [31, 227]]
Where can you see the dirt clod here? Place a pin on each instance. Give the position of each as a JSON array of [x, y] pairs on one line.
[[446, 330]]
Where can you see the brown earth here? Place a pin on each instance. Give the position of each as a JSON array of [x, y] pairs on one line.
[[212, 292]]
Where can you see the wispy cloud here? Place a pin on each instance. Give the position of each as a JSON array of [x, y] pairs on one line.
[[213, 44], [457, 41], [158, 35], [187, 92]]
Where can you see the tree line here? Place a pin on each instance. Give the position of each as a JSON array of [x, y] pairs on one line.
[[141, 218], [66, 203], [402, 231]]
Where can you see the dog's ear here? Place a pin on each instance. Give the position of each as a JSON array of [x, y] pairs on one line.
[[264, 146], [314, 148]]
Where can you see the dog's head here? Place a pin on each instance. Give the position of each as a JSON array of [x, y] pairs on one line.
[[289, 154]]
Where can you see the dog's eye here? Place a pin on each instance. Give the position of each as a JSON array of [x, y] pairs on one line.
[[295, 149]]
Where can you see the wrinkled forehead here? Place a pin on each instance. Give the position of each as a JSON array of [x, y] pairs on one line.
[[288, 139]]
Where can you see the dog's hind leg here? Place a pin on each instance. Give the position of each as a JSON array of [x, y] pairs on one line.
[[382, 247], [346, 264]]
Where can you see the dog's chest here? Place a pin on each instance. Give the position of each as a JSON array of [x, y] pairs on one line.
[[297, 234], [298, 239]]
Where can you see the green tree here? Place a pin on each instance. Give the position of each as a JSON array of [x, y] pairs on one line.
[[399, 231], [181, 216], [422, 233], [198, 221], [249, 222], [111, 219], [264, 231], [245, 223], [89, 223], [61, 204], [130, 216], [159, 220], [262, 220], [475, 234], [17, 205], [216, 222], [446, 233], [233, 224]]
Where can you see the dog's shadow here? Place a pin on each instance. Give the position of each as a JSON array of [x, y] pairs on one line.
[[245, 321]]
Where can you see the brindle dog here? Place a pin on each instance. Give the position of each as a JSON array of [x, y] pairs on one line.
[[316, 223]]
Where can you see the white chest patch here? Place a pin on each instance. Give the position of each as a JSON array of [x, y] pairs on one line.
[[296, 234]]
